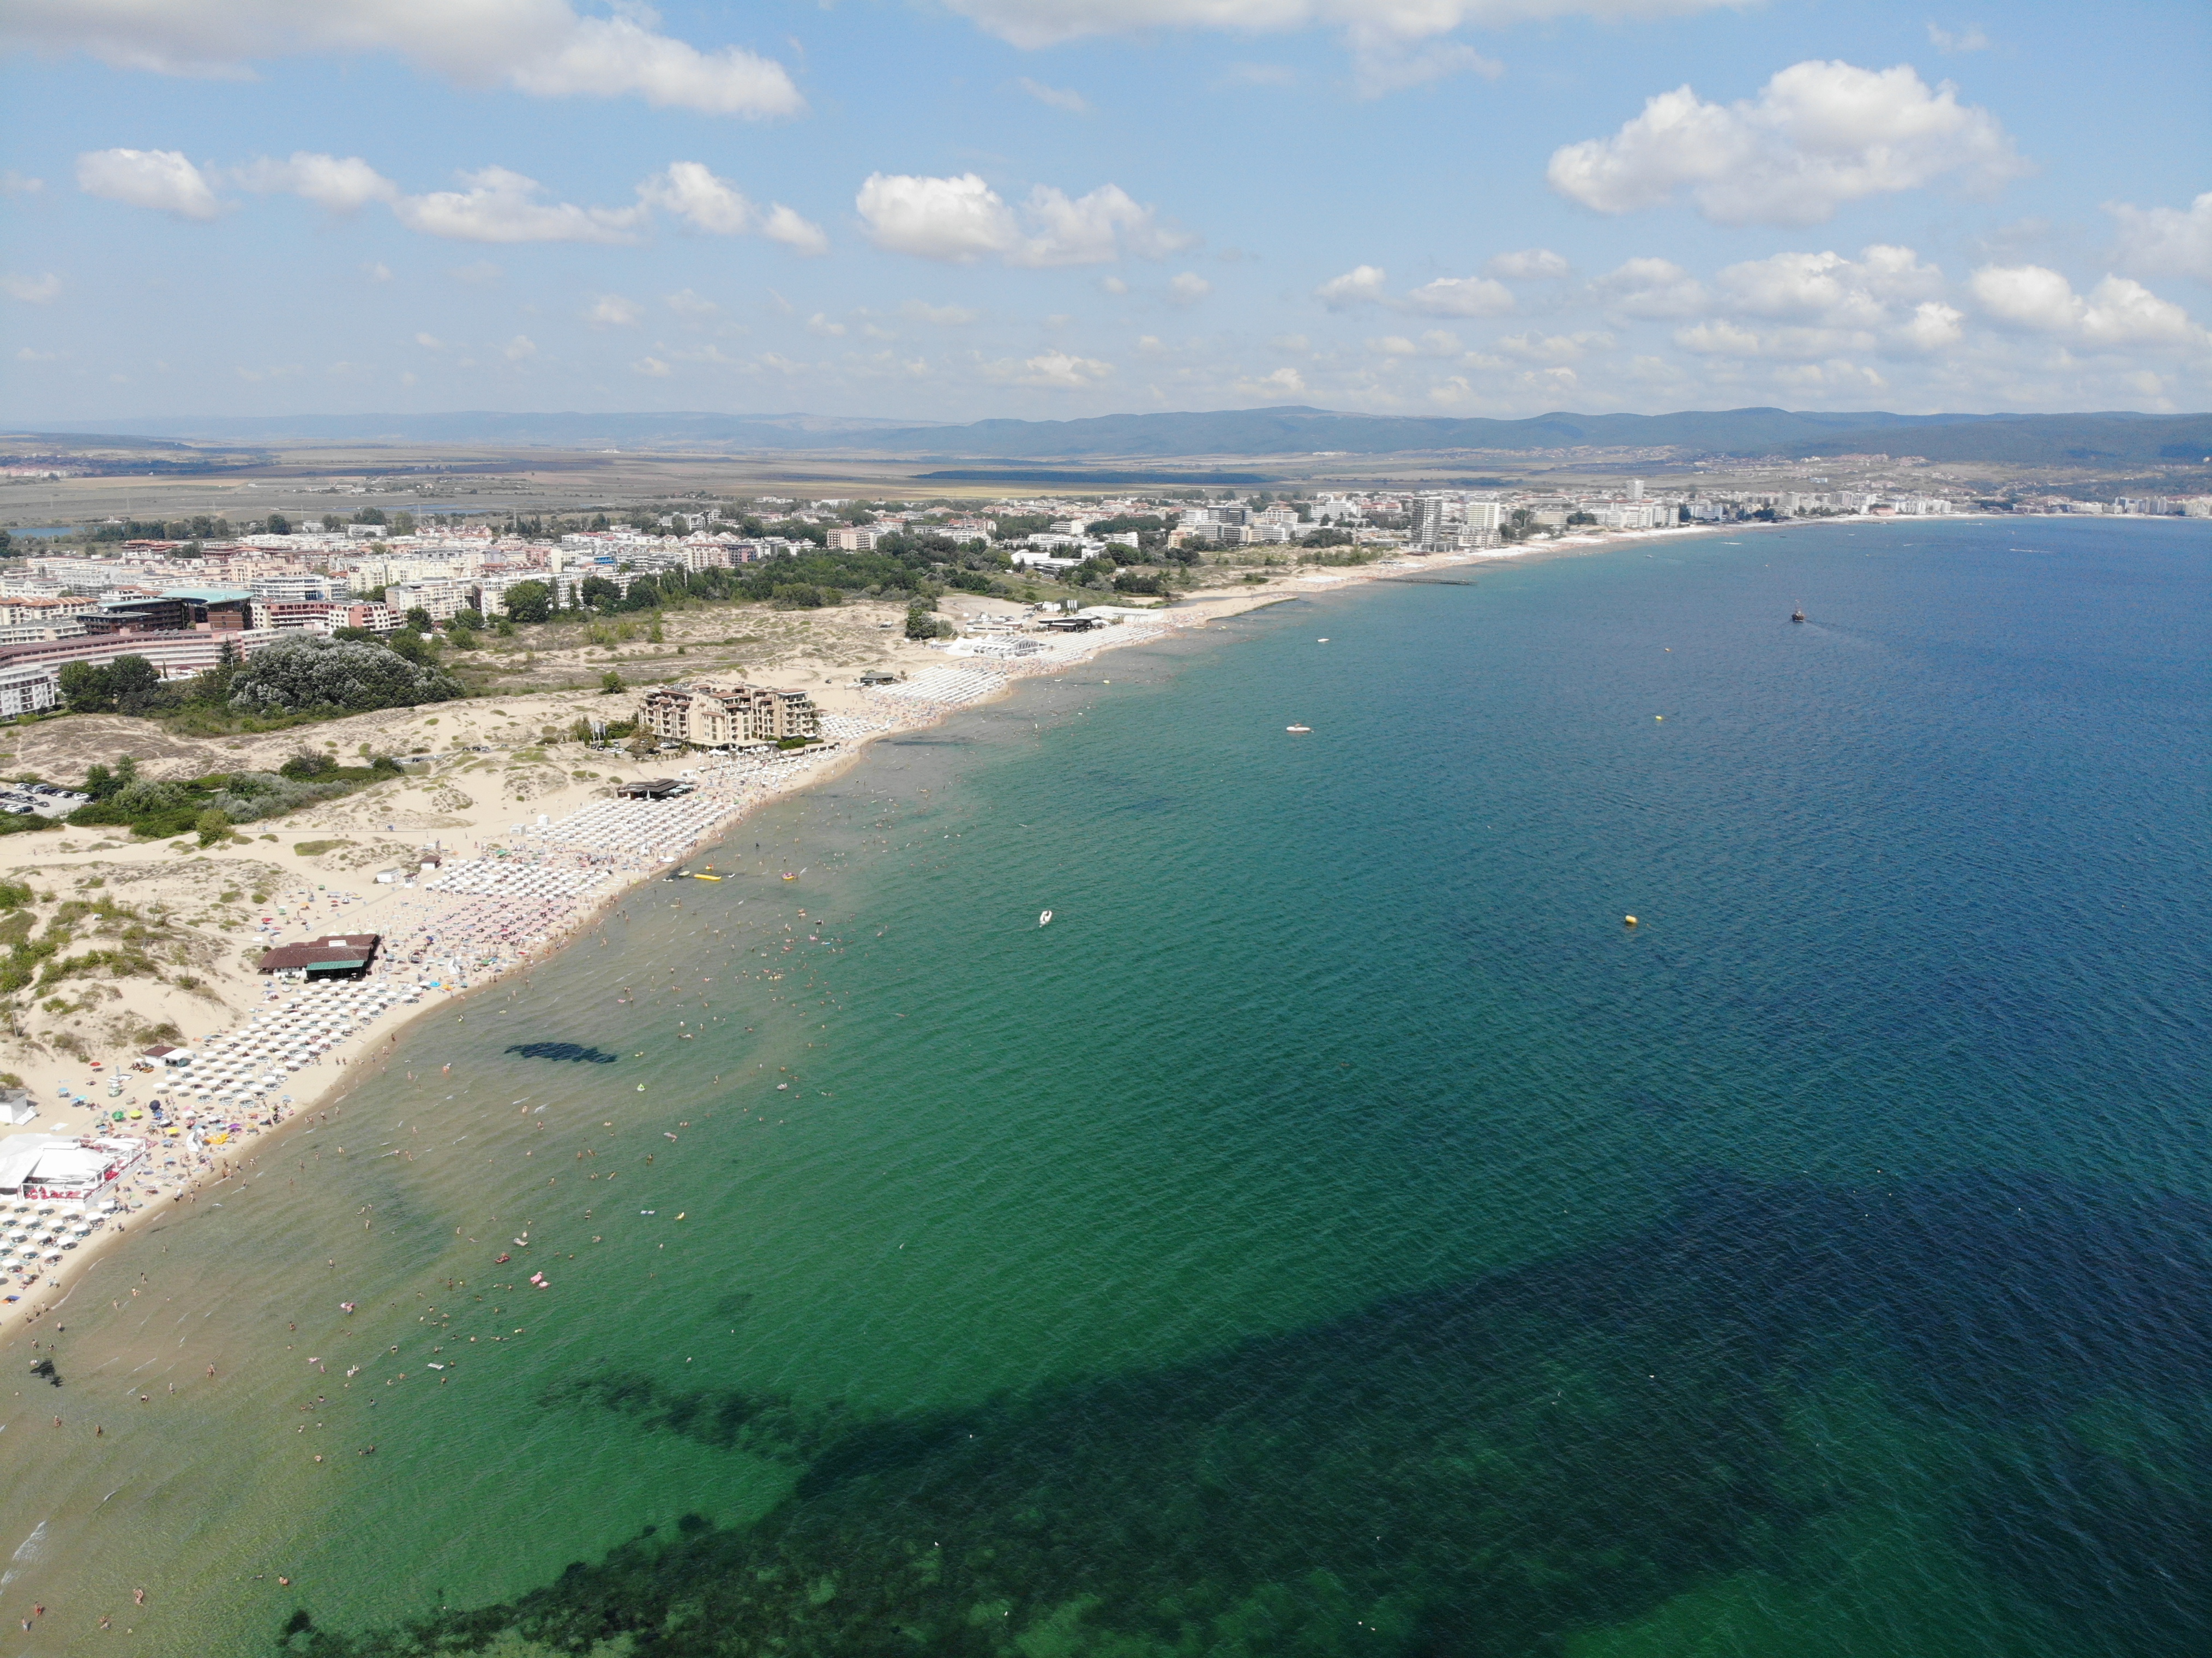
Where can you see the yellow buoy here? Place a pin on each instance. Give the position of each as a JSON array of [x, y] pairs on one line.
[[1658, 716], [1631, 919]]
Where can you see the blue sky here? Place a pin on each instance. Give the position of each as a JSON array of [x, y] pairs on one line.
[[946, 210]]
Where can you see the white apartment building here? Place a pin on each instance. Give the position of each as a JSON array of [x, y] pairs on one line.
[[301, 588], [562, 584], [441, 597], [28, 688]]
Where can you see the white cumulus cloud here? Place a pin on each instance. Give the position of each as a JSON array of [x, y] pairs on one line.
[[32, 290], [1862, 293], [503, 206], [1031, 23], [1284, 382], [342, 185], [960, 219], [690, 190], [1529, 264], [1188, 287], [2166, 240], [963, 219], [1393, 43], [1055, 97], [784, 225], [1649, 287], [2117, 312], [163, 179], [1819, 134], [613, 311], [1462, 296], [1057, 370], [1361, 285], [538, 46], [1972, 37], [945, 316]]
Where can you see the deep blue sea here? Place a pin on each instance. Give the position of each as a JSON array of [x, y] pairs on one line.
[[1340, 1230]]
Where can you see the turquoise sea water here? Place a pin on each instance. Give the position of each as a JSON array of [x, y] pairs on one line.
[[1337, 1231]]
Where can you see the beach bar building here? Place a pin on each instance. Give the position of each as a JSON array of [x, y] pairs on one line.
[[339, 955], [59, 1168]]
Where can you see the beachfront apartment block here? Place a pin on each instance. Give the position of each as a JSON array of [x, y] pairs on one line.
[[710, 716]]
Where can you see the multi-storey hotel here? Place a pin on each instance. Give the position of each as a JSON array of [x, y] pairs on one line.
[[711, 716]]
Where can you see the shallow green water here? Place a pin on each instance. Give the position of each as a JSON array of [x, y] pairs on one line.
[[1336, 1231]]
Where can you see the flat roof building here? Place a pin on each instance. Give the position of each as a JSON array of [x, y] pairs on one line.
[[710, 716], [338, 956]]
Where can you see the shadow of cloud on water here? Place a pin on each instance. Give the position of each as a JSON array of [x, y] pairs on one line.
[[573, 1052], [1486, 1468]]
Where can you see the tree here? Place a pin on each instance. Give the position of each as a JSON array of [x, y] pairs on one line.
[[370, 515], [610, 683], [308, 673], [136, 682], [920, 623], [403, 523], [417, 648], [529, 601], [213, 826], [279, 525], [599, 593], [419, 619], [88, 688]]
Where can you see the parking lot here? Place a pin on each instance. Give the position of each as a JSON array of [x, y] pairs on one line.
[[42, 799]]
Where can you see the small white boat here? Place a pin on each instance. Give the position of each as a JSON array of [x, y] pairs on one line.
[[1299, 729], [1044, 918]]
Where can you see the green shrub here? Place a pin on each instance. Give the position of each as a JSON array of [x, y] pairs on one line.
[[336, 674]]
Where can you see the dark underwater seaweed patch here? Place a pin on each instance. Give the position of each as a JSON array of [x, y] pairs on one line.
[[727, 1419], [1483, 1468], [572, 1052]]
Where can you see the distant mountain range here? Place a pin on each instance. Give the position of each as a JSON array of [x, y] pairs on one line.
[[2104, 439]]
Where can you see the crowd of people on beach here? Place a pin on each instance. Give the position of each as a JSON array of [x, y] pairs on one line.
[[199, 1117]]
